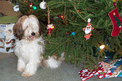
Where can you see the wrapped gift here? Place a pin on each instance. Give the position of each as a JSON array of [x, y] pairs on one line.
[[6, 38], [106, 69], [114, 67], [86, 73]]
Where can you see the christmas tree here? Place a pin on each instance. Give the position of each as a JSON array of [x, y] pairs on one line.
[[81, 27]]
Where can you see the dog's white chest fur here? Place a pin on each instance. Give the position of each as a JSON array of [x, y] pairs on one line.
[[28, 50]]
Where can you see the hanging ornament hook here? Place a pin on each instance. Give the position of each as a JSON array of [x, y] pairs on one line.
[[48, 11], [49, 26]]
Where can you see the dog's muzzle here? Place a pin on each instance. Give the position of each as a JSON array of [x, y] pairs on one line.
[[32, 35]]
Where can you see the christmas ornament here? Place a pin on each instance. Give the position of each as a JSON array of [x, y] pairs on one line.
[[67, 33], [31, 5], [49, 26], [61, 16], [64, 17], [34, 7], [73, 33], [116, 21], [88, 30], [16, 8], [42, 5]]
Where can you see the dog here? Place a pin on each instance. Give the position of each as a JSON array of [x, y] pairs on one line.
[[28, 34]]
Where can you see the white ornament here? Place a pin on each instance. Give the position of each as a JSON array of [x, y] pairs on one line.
[[42, 5], [50, 26], [89, 20], [87, 31], [16, 8], [88, 28], [31, 5]]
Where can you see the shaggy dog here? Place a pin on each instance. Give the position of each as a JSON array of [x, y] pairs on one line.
[[29, 52]]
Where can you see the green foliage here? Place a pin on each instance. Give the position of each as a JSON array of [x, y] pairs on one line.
[[76, 13]]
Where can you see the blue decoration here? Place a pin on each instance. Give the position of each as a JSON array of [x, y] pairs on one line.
[[118, 63], [120, 75], [112, 69], [107, 61], [17, 3], [98, 48], [73, 33]]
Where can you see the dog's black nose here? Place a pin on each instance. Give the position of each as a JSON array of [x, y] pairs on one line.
[[32, 33]]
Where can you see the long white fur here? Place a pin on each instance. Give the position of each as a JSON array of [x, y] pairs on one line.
[[53, 63], [29, 55]]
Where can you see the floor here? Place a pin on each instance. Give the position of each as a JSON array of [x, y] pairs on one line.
[[66, 72]]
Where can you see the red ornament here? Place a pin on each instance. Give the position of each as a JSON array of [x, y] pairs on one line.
[[30, 5], [62, 16], [67, 33], [116, 29], [50, 27], [88, 30]]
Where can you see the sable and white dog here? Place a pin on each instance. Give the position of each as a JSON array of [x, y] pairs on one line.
[[29, 52]]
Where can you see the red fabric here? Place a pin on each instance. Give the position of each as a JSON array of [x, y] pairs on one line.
[[116, 29]]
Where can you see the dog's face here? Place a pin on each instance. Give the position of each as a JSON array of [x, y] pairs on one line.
[[27, 28]]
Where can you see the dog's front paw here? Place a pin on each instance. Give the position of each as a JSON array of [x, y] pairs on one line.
[[27, 74], [20, 69]]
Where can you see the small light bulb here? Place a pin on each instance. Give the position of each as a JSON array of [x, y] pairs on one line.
[[34, 7], [102, 46]]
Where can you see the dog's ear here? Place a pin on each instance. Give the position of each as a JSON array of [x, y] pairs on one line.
[[17, 29]]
